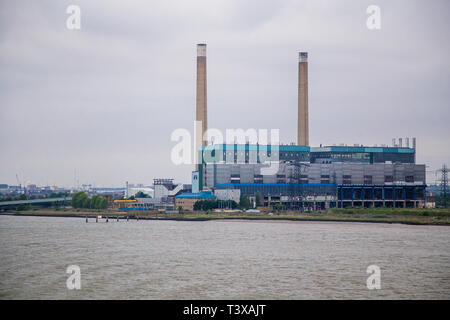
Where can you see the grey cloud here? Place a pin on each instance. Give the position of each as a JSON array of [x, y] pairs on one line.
[[104, 100]]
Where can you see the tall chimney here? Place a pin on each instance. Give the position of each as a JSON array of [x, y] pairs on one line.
[[201, 117], [302, 124], [201, 108]]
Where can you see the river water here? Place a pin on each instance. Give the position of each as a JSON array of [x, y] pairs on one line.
[[221, 259]]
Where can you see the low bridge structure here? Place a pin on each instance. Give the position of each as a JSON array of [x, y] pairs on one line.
[[18, 202]]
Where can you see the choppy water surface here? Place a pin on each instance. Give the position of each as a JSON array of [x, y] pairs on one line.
[[220, 259]]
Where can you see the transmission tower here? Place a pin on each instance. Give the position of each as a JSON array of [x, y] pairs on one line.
[[444, 185], [294, 178]]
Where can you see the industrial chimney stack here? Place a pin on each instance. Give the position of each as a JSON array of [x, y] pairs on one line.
[[302, 124], [201, 108]]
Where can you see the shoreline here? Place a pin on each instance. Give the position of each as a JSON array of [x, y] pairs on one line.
[[222, 217]]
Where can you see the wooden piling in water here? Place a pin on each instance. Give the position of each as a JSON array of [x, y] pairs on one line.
[[117, 218], [106, 218], [96, 219], [86, 219]]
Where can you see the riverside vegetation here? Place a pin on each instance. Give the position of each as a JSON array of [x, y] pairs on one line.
[[381, 215]]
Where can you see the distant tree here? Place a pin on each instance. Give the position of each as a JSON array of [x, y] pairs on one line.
[[131, 198], [87, 203], [141, 194], [96, 202], [244, 202], [205, 205], [78, 200], [276, 207], [227, 204], [103, 203], [258, 199], [443, 200], [279, 207], [197, 205], [81, 200]]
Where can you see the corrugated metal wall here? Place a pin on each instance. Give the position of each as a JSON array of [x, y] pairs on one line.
[[221, 173]]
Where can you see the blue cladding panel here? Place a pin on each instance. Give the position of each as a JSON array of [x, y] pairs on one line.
[[200, 195], [310, 149]]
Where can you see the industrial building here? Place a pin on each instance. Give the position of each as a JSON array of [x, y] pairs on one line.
[[324, 185], [306, 177], [186, 201]]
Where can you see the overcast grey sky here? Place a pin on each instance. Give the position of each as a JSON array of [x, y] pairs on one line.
[[104, 100]]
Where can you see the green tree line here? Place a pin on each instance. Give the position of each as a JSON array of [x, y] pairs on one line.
[[204, 205], [443, 200], [81, 200]]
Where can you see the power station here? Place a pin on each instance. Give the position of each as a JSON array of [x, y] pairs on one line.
[[307, 177]]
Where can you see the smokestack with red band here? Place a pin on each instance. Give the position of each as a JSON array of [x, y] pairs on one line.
[[302, 125]]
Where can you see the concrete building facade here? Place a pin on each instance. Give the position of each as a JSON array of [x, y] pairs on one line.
[[338, 177]]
